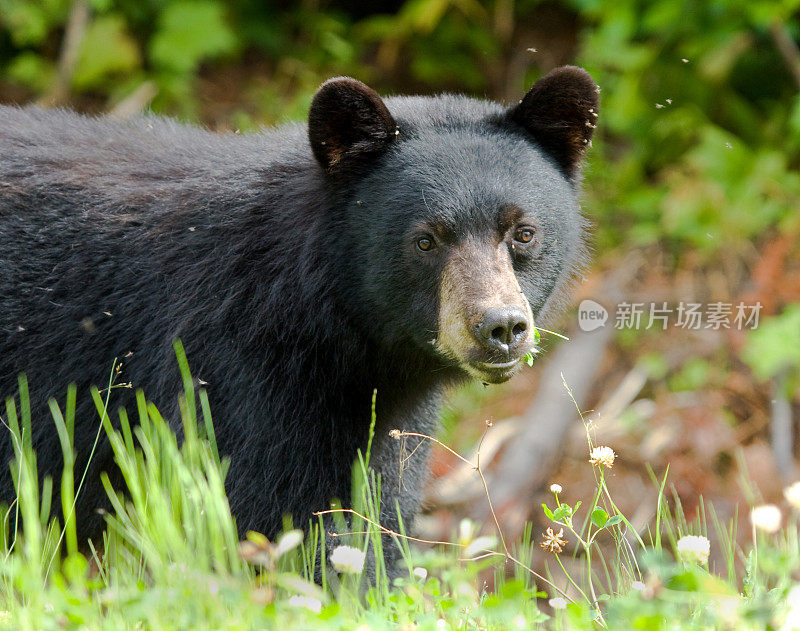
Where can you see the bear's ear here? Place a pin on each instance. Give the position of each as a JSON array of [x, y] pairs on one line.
[[348, 121], [560, 111]]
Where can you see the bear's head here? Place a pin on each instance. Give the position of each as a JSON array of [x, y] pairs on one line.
[[461, 217]]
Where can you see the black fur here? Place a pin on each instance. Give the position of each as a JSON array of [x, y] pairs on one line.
[[295, 291]]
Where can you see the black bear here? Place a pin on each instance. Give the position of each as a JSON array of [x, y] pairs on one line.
[[400, 245]]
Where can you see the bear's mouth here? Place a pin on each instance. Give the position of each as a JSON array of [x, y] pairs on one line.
[[491, 372]]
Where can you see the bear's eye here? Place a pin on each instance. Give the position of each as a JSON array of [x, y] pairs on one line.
[[425, 244], [524, 234]]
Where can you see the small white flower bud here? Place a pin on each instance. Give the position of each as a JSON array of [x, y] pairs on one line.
[[347, 560], [694, 548], [557, 603], [766, 517], [307, 602], [792, 495], [288, 541]]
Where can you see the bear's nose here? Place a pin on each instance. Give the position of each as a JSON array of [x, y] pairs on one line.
[[503, 329]]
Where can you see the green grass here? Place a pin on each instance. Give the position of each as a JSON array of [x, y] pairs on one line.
[[171, 559]]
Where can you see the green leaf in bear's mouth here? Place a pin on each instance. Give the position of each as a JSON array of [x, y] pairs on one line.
[[537, 336]]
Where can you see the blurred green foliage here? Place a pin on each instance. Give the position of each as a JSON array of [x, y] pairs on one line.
[[702, 119], [773, 349]]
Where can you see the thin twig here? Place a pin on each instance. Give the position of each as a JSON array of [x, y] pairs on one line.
[[486, 490], [394, 533], [438, 442], [477, 467]]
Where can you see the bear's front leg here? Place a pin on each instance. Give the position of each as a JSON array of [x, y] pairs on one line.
[[401, 460]]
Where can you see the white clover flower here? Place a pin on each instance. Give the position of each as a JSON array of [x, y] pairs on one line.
[[694, 548], [638, 586], [555, 488], [792, 495], [347, 560], [602, 457], [557, 603], [766, 517], [420, 573], [307, 602]]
